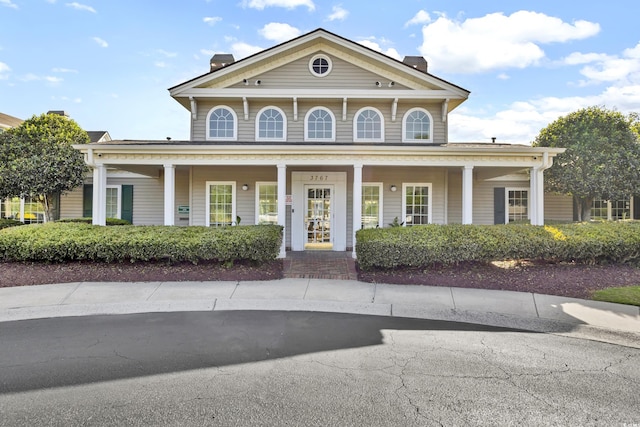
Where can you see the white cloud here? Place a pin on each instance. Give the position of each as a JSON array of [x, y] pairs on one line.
[[496, 41], [166, 53], [603, 68], [160, 64], [288, 4], [29, 77], [338, 13], [421, 17], [8, 3], [211, 20], [78, 6], [53, 80], [207, 52], [241, 50], [504, 76], [4, 69], [375, 46], [279, 32], [100, 42], [63, 70]]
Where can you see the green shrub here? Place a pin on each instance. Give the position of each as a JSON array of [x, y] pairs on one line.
[[6, 223], [89, 220], [428, 245], [59, 242]]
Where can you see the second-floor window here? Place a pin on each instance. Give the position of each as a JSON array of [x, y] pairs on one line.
[[417, 126], [222, 123], [319, 125], [368, 125], [271, 124]]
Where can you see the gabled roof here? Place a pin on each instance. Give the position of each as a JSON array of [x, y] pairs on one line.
[[308, 38], [99, 135], [7, 121]]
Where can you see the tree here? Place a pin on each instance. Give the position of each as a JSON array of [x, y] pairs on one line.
[[37, 159], [602, 159]]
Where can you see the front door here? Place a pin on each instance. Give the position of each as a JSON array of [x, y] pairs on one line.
[[318, 217]]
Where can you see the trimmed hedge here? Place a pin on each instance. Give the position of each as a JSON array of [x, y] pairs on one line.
[[429, 245], [109, 221], [60, 242], [6, 223]]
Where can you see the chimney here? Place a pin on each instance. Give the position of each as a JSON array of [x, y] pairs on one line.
[[59, 113], [220, 60], [417, 62]]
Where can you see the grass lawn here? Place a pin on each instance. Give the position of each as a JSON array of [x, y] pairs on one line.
[[626, 295]]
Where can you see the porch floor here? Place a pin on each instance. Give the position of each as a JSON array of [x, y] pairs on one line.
[[320, 265]]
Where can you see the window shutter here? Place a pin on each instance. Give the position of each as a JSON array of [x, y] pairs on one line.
[[126, 211], [636, 207], [87, 201], [498, 205], [55, 206]]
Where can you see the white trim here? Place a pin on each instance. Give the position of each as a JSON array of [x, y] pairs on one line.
[[257, 199], [380, 185], [355, 125], [208, 137], [320, 56], [404, 125], [207, 202], [333, 125], [506, 201], [404, 200], [284, 124]]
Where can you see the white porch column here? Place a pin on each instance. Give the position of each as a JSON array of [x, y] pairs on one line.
[[537, 196], [99, 207], [357, 203], [169, 194], [282, 207], [467, 195]]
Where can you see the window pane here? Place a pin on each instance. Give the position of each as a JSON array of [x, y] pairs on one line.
[[220, 205], [271, 124], [518, 205], [221, 124], [417, 205], [112, 203], [417, 126], [368, 125], [370, 206], [33, 210], [267, 204]]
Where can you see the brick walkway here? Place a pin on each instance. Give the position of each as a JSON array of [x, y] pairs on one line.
[[320, 265]]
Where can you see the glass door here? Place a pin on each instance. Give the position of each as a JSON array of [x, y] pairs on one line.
[[318, 219]]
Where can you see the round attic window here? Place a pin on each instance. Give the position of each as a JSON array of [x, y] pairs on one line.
[[320, 65]]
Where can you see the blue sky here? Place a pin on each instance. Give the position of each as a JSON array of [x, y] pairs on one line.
[[109, 63]]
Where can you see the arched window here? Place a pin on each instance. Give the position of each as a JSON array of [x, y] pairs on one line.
[[368, 125], [417, 126], [222, 124], [271, 124], [319, 125]]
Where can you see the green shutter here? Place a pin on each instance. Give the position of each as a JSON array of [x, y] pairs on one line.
[[126, 211], [636, 207], [55, 206], [87, 201], [498, 205]]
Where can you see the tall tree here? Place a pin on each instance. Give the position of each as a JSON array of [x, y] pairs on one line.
[[37, 159], [602, 157]]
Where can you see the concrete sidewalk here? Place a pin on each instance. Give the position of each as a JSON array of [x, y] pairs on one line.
[[533, 312]]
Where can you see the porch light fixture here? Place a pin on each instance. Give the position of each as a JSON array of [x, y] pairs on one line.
[[393, 187], [245, 187]]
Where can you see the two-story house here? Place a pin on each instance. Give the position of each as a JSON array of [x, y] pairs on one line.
[[323, 136]]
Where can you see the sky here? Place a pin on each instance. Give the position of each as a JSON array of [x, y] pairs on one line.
[[109, 63]]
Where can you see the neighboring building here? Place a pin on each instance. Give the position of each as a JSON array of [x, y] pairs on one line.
[[8, 122], [323, 136]]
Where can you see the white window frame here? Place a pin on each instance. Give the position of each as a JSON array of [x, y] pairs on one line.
[[284, 124], [355, 125], [208, 137], [404, 200], [610, 208], [333, 125], [506, 202], [234, 203], [119, 202], [257, 204], [380, 201], [320, 56], [404, 126]]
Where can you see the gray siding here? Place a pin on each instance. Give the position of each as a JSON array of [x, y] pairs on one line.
[[558, 207]]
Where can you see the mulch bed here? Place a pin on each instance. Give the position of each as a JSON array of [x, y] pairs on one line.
[[566, 279]]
